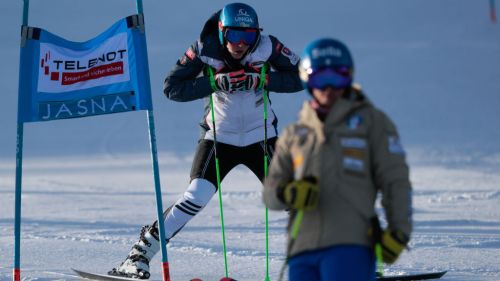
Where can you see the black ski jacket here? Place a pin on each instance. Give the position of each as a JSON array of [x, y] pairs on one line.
[[238, 114]]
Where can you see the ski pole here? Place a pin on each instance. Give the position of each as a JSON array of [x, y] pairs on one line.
[[214, 88], [266, 158], [377, 246], [295, 231], [297, 220], [378, 257]]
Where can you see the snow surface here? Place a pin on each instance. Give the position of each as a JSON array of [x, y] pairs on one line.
[[89, 212], [432, 65]]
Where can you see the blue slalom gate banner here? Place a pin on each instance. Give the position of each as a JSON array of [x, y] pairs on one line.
[[64, 79], [60, 79]]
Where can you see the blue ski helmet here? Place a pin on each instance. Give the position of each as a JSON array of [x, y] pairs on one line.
[[326, 62], [238, 15]]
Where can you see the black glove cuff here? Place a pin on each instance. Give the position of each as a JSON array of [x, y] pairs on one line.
[[400, 237], [311, 179], [280, 192]]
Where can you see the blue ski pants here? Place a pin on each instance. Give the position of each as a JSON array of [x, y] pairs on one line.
[[337, 263]]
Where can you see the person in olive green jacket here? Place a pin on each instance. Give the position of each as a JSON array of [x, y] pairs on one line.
[[327, 170]]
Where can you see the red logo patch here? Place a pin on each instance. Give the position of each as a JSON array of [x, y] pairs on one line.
[[190, 54], [278, 47]]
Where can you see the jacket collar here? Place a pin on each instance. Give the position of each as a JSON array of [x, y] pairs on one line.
[[338, 113]]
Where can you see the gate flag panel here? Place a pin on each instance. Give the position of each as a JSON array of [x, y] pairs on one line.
[[64, 79]]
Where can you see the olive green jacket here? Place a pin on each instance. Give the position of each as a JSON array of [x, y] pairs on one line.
[[354, 154]]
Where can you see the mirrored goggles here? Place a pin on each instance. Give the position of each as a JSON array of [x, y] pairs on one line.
[[336, 78], [235, 36]]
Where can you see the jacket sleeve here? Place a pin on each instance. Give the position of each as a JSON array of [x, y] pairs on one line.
[[280, 173], [285, 78], [184, 83], [391, 173]]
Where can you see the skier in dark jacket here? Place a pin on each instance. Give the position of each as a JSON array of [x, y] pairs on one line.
[[231, 44]]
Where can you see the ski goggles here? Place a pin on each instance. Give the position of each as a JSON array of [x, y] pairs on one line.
[[337, 78], [246, 36]]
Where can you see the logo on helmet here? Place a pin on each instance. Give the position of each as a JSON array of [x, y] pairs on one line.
[[243, 18], [242, 12], [326, 52]]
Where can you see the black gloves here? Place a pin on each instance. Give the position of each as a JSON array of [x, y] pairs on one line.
[[252, 81], [237, 81], [300, 194], [230, 81]]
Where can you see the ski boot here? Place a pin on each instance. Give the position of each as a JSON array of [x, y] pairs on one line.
[[136, 265]]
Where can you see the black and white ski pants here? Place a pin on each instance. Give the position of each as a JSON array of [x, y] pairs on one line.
[[203, 183]]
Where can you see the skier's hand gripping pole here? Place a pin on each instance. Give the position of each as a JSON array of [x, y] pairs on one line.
[[300, 194]]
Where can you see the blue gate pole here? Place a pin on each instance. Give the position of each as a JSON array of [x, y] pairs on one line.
[[17, 228], [159, 204], [16, 274], [156, 175]]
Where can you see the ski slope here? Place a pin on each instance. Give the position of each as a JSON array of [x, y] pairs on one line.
[[432, 65], [88, 214]]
